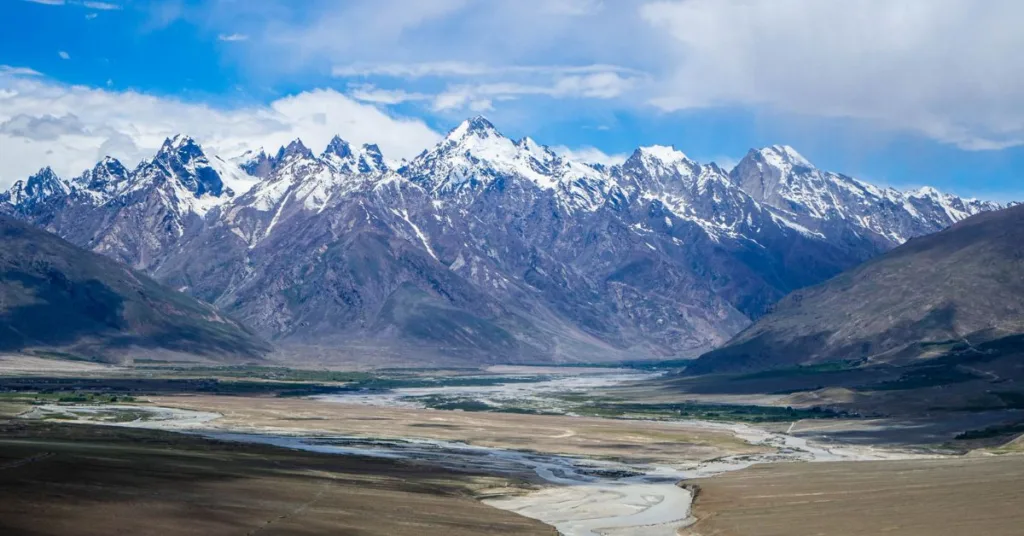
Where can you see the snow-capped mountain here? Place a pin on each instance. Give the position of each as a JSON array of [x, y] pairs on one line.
[[781, 178], [475, 156], [102, 182], [135, 216], [36, 190], [483, 247]]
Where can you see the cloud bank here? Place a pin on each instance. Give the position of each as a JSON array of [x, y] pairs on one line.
[[946, 69], [71, 127]]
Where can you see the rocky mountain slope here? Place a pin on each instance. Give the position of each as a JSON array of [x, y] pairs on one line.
[[959, 289], [482, 247], [56, 296]]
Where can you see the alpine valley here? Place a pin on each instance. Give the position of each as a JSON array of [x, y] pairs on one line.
[[482, 248]]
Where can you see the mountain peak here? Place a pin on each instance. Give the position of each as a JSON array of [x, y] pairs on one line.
[[104, 176], [530, 144], [109, 166], [44, 174], [40, 186], [294, 149], [339, 147], [181, 147], [783, 155], [370, 159], [666, 154], [255, 163], [925, 191], [45, 182], [184, 160], [178, 141], [478, 126], [479, 122], [110, 163]]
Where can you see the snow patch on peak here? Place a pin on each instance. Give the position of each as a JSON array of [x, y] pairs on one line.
[[248, 156], [784, 156], [371, 160], [926, 192], [535, 150], [295, 149], [103, 181], [368, 159], [478, 125], [178, 141], [233, 176], [476, 154], [530, 144], [39, 187], [664, 153], [255, 163], [339, 147]]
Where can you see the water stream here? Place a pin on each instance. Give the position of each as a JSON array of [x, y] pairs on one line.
[[583, 496]]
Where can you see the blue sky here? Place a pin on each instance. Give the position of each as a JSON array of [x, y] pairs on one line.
[[903, 94]]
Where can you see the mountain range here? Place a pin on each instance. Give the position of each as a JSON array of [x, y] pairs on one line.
[[55, 296], [482, 247], [961, 289]]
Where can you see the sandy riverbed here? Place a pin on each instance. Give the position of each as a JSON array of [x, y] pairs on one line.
[[580, 495]]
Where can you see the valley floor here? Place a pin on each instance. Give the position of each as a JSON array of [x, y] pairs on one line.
[[408, 452]]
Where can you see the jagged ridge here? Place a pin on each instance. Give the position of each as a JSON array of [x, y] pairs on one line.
[[484, 246]]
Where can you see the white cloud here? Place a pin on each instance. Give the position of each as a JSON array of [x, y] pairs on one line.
[[373, 94], [593, 86], [573, 7], [18, 71], [453, 100], [103, 6], [501, 40], [590, 155], [605, 85], [42, 128], [71, 127], [338, 29], [944, 69], [481, 105], [63, 55], [233, 37], [501, 82], [447, 69], [411, 70], [947, 69]]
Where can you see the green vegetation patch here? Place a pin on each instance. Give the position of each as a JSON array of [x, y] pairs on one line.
[[923, 377], [471, 404], [75, 397], [608, 408], [707, 412], [256, 372], [1003, 430], [801, 370]]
